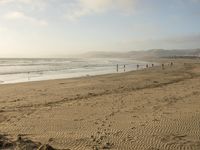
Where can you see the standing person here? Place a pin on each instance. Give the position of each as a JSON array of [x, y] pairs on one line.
[[171, 64], [124, 68], [117, 67], [138, 66], [163, 66], [152, 65], [147, 66]]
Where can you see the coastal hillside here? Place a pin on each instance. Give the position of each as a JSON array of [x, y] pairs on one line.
[[154, 53]]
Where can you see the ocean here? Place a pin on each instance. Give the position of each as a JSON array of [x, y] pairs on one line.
[[17, 70]]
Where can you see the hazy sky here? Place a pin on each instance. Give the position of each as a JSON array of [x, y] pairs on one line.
[[58, 28]]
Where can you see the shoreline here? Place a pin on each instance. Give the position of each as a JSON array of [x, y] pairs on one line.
[[71, 78], [78, 77], [64, 73], [143, 109]]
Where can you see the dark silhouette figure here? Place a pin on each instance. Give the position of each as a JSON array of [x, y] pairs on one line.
[[163, 66], [138, 66], [152, 65], [117, 67], [171, 64], [124, 68], [147, 66]]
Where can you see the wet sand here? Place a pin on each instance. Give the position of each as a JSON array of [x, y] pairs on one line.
[[150, 109]]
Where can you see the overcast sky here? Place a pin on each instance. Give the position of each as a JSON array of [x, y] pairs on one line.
[[58, 28]]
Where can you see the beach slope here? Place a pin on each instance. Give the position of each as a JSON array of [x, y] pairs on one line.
[[150, 109]]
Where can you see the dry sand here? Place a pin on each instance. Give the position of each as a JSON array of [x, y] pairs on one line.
[[150, 109]]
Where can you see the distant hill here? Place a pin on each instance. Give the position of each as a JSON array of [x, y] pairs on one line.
[[172, 53], [154, 53]]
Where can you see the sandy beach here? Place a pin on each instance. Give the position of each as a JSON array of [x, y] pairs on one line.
[[150, 109]]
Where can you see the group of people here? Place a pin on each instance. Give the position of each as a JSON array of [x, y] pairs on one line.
[[147, 66], [171, 64], [124, 67]]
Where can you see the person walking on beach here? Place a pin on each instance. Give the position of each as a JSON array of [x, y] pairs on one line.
[[138, 66], [163, 66], [124, 68], [147, 66], [152, 65], [171, 64], [117, 67]]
